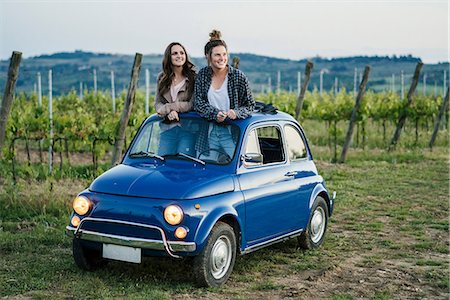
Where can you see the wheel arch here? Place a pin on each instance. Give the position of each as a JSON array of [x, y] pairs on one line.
[[234, 223], [321, 191], [225, 215]]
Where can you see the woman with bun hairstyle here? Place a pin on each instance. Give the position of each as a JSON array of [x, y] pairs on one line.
[[175, 95], [221, 92]]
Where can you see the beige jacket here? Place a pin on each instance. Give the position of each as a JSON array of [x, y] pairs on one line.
[[164, 103]]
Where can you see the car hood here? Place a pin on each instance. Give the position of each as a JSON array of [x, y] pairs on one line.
[[163, 182]]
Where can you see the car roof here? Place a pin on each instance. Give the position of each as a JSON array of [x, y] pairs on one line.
[[256, 117]]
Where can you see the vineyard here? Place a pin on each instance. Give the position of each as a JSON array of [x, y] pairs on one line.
[[87, 125], [388, 237]]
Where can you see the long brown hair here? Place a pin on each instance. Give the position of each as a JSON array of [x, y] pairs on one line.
[[167, 72]]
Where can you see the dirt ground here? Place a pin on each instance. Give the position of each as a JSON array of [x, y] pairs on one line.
[[351, 275]]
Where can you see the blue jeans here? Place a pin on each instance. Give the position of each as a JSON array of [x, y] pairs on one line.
[[220, 138], [176, 140]]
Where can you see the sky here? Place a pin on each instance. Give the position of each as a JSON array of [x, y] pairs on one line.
[[286, 29]]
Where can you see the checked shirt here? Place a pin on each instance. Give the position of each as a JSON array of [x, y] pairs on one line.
[[241, 100]]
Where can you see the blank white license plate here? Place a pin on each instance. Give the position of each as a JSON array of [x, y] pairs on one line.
[[122, 253]]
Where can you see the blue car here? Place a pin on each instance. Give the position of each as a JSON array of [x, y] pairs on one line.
[[201, 189]]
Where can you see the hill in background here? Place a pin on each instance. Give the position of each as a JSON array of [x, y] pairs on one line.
[[72, 68]]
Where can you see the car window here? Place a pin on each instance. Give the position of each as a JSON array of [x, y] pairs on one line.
[[295, 145], [208, 141], [148, 140], [271, 144]]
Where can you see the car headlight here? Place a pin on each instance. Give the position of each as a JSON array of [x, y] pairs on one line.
[[173, 214], [81, 205], [75, 221]]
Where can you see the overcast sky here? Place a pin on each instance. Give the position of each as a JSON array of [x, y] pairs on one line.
[[285, 29]]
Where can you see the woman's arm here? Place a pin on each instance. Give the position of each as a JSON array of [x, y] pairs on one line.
[[245, 97]]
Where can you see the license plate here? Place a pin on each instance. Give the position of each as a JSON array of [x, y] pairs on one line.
[[122, 253]]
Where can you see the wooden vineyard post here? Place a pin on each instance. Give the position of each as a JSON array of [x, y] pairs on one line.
[[402, 118], [13, 74], [278, 82], [301, 95], [236, 61], [355, 111], [113, 93], [95, 81], [442, 110], [147, 91], [120, 134], [50, 118]]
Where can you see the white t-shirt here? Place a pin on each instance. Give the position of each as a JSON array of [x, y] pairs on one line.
[[219, 98]]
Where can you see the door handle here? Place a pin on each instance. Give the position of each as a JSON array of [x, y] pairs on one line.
[[291, 173]]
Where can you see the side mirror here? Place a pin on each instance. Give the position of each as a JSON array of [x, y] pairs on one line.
[[252, 158]]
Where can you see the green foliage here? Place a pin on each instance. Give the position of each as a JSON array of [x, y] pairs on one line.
[[81, 121], [376, 106]]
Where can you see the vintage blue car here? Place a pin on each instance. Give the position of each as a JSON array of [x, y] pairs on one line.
[[205, 190]]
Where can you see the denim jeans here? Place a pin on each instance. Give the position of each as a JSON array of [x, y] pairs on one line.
[[220, 138], [176, 140]]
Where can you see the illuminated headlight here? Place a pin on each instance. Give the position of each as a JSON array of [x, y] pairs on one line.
[[181, 232], [81, 205], [75, 221], [173, 215]]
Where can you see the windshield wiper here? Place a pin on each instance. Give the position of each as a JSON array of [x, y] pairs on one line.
[[146, 154], [188, 157]]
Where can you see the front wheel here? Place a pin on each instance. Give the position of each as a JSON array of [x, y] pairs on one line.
[[314, 234], [214, 264]]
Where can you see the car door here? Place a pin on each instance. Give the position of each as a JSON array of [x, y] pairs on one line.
[[302, 170], [270, 195]]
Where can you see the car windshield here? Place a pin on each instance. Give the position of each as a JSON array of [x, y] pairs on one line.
[[193, 139]]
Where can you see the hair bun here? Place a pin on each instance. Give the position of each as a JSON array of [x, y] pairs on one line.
[[215, 35]]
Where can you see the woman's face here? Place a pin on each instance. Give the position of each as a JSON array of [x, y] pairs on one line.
[[178, 56], [219, 58]]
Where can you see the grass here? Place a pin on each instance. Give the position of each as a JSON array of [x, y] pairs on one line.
[[389, 235]]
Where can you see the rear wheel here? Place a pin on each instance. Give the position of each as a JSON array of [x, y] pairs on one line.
[[85, 258], [213, 266], [314, 234]]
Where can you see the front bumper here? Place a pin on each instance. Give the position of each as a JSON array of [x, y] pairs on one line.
[[333, 198], [169, 246]]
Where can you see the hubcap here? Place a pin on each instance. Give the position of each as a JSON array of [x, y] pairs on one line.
[[220, 257], [318, 224]]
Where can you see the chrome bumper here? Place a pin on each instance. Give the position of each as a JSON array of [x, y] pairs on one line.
[[169, 246]]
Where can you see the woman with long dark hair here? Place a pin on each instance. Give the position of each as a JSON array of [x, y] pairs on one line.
[[175, 95], [175, 83]]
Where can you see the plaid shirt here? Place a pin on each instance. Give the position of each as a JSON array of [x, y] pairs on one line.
[[241, 99]]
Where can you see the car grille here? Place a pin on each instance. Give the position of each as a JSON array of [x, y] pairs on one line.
[[122, 230]]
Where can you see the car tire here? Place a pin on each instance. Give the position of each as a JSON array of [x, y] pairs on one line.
[[314, 234], [213, 266], [87, 259]]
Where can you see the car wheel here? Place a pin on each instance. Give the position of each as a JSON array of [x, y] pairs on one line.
[[87, 259], [214, 264], [314, 234]]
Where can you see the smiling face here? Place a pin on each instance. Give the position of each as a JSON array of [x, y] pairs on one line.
[[178, 56], [218, 58]]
